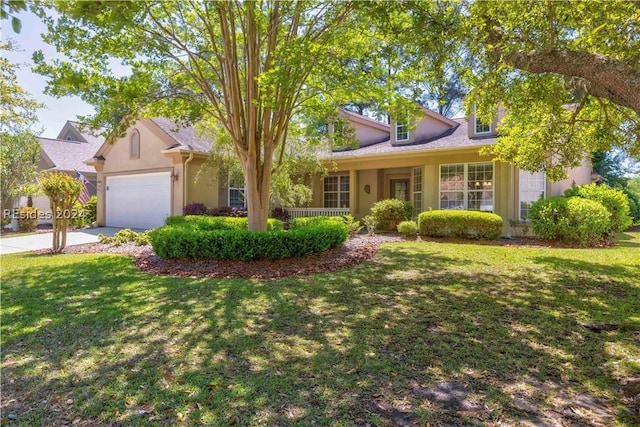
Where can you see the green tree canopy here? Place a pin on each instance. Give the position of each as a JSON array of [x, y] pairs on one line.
[[18, 148], [568, 74], [253, 67]]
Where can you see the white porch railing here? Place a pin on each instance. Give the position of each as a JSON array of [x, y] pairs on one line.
[[303, 212]]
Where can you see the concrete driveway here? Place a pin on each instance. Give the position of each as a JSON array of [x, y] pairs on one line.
[[33, 242]]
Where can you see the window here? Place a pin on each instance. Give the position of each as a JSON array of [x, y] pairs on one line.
[[134, 145], [532, 187], [417, 189], [236, 194], [467, 186], [480, 127], [402, 132], [336, 191]]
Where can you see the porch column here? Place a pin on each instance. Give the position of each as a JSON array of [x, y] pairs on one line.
[[353, 191]]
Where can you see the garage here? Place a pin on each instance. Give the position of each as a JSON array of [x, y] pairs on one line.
[[138, 201]]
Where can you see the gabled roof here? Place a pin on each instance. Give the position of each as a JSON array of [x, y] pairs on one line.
[[68, 155], [456, 137], [75, 131], [185, 137]]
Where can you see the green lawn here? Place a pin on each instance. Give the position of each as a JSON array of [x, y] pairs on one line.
[[90, 338]]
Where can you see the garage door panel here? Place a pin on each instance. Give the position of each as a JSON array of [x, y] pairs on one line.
[[138, 201]]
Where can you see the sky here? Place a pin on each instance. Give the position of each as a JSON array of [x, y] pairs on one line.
[[57, 110]]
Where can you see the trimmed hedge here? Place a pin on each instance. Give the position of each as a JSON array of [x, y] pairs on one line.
[[572, 219], [468, 224], [198, 240], [307, 221], [615, 201], [220, 222], [408, 228]]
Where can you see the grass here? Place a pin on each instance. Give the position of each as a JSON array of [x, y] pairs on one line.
[[88, 338]]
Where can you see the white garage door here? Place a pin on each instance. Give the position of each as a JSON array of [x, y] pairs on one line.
[[138, 201]]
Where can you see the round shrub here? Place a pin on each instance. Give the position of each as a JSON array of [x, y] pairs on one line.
[[615, 201], [196, 240], [572, 219], [467, 224], [390, 212], [408, 228], [28, 218]]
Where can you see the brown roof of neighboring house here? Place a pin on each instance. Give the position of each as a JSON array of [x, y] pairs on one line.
[[457, 137], [184, 136]]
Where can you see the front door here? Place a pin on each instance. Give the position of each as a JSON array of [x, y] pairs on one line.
[[400, 189]]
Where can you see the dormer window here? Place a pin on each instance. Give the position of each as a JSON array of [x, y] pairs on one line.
[[134, 145], [402, 132], [480, 127]]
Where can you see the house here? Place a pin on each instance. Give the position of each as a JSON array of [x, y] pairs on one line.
[[151, 173], [66, 153], [434, 163]]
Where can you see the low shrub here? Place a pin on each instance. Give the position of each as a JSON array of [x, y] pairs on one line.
[[85, 214], [390, 212], [91, 210], [408, 228], [280, 213], [125, 236], [571, 219], [190, 240], [220, 223], [27, 218], [353, 225], [468, 224], [195, 209], [615, 201], [228, 211], [371, 223]]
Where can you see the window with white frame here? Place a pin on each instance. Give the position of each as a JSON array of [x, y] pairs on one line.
[[467, 186], [402, 132], [479, 126], [237, 194], [417, 189], [336, 191], [532, 187]]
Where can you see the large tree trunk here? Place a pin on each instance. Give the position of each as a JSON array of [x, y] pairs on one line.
[[257, 191]]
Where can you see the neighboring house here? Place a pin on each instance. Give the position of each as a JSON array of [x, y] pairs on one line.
[[435, 164], [141, 176], [66, 153]]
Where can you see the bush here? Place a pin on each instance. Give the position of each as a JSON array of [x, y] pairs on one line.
[[191, 240], [220, 223], [195, 209], [228, 211], [371, 223], [125, 236], [390, 212], [408, 228], [634, 205], [91, 210], [28, 218], [86, 214], [468, 224], [280, 213], [572, 219], [615, 201]]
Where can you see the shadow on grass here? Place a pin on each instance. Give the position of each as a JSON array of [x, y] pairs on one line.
[[126, 347]]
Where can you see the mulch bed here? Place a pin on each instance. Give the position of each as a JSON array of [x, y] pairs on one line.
[[354, 251]]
